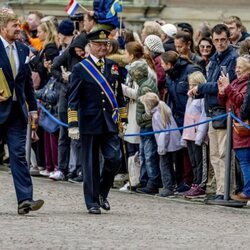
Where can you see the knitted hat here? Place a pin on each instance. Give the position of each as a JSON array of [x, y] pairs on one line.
[[169, 29], [66, 27], [154, 44], [138, 70]]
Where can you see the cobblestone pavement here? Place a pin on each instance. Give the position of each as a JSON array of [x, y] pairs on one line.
[[134, 222]]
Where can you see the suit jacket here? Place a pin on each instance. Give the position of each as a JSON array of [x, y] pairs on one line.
[[22, 83], [88, 101]]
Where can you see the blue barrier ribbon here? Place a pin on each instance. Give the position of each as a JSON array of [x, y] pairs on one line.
[[153, 132], [53, 118], [240, 121], [179, 128]]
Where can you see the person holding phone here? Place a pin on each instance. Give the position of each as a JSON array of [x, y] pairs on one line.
[[232, 96], [224, 58]]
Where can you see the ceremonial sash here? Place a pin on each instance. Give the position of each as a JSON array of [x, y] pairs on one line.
[[103, 84]]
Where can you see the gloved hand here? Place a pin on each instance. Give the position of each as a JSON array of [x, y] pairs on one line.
[[74, 133]]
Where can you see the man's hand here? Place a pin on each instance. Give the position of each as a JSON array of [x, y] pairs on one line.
[[2, 98], [65, 76], [193, 92], [74, 133], [33, 119]]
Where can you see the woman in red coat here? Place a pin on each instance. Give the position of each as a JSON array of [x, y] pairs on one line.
[[232, 96]]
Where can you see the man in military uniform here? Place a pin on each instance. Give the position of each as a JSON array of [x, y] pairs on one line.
[[95, 97]]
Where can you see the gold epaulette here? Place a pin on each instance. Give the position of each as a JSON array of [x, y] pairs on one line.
[[72, 116]]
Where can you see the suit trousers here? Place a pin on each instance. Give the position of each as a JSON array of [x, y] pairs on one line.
[[98, 182], [14, 129]]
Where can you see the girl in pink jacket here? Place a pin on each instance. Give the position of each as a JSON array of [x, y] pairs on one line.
[[195, 137]]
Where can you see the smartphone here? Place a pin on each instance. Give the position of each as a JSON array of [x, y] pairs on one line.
[[223, 69]]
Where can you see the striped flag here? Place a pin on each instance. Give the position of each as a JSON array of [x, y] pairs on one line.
[[115, 8], [72, 7]]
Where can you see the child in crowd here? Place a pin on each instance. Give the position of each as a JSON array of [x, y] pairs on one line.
[[194, 138], [167, 142]]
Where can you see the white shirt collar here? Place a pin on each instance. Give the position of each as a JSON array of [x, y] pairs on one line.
[[95, 59], [6, 44]]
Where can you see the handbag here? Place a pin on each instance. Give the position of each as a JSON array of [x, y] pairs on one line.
[[134, 169], [221, 123], [47, 123], [240, 130], [36, 79]]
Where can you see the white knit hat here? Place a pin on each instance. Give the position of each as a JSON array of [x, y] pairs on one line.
[[169, 29], [154, 43]]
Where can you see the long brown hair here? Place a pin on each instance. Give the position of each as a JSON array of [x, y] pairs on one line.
[[170, 57], [136, 49]]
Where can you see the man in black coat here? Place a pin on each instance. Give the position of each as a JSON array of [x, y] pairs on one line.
[[94, 99]]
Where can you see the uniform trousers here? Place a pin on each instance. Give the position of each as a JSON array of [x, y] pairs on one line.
[[98, 182]]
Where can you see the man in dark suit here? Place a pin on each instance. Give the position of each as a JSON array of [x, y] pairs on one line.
[[13, 110], [95, 96]]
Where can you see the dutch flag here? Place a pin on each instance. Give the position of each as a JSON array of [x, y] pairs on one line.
[[72, 7]]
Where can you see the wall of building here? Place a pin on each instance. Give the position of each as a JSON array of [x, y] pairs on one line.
[[137, 11]]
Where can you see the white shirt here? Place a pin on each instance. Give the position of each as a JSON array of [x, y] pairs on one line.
[[6, 46], [95, 59]]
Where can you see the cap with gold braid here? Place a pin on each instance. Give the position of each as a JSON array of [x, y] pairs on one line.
[[98, 36]]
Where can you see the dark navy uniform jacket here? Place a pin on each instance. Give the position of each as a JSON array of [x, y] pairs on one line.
[[89, 107]]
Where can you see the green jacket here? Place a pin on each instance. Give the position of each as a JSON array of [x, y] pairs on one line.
[[145, 85]]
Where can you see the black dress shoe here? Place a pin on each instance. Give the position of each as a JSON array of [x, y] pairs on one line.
[[26, 206], [104, 204], [95, 210]]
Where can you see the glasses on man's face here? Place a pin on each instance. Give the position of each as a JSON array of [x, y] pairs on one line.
[[205, 46], [100, 44], [222, 40]]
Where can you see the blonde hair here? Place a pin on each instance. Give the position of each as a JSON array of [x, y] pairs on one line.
[[7, 16], [196, 78], [152, 28], [151, 100], [49, 28]]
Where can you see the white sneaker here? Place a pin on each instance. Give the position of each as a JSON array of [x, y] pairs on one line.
[[45, 173], [125, 187], [57, 175]]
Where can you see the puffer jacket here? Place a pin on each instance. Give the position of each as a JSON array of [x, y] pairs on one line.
[[166, 141], [209, 90], [49, 95], [233, 99], [148, 84], [177, 85], [195, 113]]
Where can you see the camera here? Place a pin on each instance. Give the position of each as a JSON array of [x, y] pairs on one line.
[[78, 17]]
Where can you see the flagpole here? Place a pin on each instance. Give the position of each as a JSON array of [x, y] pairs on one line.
[[121, 22], [83, 8]]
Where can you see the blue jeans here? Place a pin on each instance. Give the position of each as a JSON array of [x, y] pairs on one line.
[[167, 171], [243, 155], [150, 171]]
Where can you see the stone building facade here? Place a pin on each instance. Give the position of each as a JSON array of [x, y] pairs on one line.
[[137, 11]]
